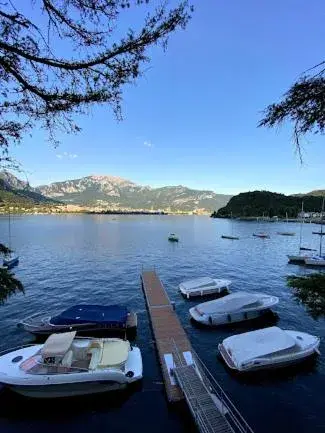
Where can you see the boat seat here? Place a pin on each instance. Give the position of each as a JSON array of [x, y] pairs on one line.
[[79, 348], [95, 357], [67, 359]]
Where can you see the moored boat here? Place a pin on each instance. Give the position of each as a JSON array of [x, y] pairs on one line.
[[267, 348], [203, 286], [66, 366], [229, 237], [236, 307], [11, 261], [84, 319], [173, 238], [261, 235]]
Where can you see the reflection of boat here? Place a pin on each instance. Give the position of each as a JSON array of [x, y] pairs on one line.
[[261, 235], [267, 348], [10, 259], [173, 238], [66, 366], [85, 319], [319, 233], [236, 307], [203, 286]]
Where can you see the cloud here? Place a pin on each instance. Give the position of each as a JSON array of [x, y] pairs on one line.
[[66, 155], [147, 144]]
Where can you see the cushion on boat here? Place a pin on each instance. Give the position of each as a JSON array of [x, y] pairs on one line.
[[114, 353], [57, 344], [67, 359], [95, 357]]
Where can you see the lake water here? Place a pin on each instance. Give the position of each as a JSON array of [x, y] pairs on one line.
[[70, 259]]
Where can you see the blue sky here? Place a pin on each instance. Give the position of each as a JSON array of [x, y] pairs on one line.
[[192, 119]]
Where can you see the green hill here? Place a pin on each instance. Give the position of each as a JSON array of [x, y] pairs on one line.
[[21, 197], [257, 203]]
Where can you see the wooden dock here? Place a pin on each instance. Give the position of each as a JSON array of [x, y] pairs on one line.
[[167, 330], [184, 374]]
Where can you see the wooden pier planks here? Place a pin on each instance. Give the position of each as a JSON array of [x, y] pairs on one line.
[[167, 329]]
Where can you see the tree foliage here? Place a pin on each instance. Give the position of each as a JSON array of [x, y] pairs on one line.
[[310, 289], [257, 203], [58, 57], [8, 283], [303, 104]]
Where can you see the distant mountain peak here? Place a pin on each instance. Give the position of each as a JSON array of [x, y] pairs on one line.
[[116, 192]]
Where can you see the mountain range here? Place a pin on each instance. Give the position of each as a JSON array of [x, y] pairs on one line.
[[118, 193]]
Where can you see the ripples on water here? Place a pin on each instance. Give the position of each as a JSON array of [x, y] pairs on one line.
[[98, 259]]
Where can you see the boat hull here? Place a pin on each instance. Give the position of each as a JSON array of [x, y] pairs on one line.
[[297, 259], [67, 390], [313, 262], [225, 319]]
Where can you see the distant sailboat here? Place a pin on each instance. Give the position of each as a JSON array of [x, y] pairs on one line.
[[318, 260], [232, 231], [12, 259]]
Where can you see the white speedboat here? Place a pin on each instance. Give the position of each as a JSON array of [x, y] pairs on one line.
[[315, 261], [66, 366], [267, 348], [204, 286], [235, 307]]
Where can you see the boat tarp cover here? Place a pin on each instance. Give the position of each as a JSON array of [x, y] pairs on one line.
[[100, 314], [58, 344], [229, 303], [256, 344]]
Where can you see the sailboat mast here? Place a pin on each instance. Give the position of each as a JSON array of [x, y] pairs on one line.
[[301, 223], [9, 231], [321, 229]]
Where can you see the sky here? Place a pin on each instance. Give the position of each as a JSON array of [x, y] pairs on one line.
[[192, 119]]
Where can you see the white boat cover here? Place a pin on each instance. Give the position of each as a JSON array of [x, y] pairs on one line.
[[57, 344], [229, 303], [114, 352], [250, 345], [198, 283]]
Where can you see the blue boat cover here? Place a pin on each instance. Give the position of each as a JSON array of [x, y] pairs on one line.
[[114, 315]]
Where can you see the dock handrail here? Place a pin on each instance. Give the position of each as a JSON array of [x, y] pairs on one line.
[[234, 418], [234, 414]]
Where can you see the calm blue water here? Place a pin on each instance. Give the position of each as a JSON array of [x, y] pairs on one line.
[[98, 259]]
